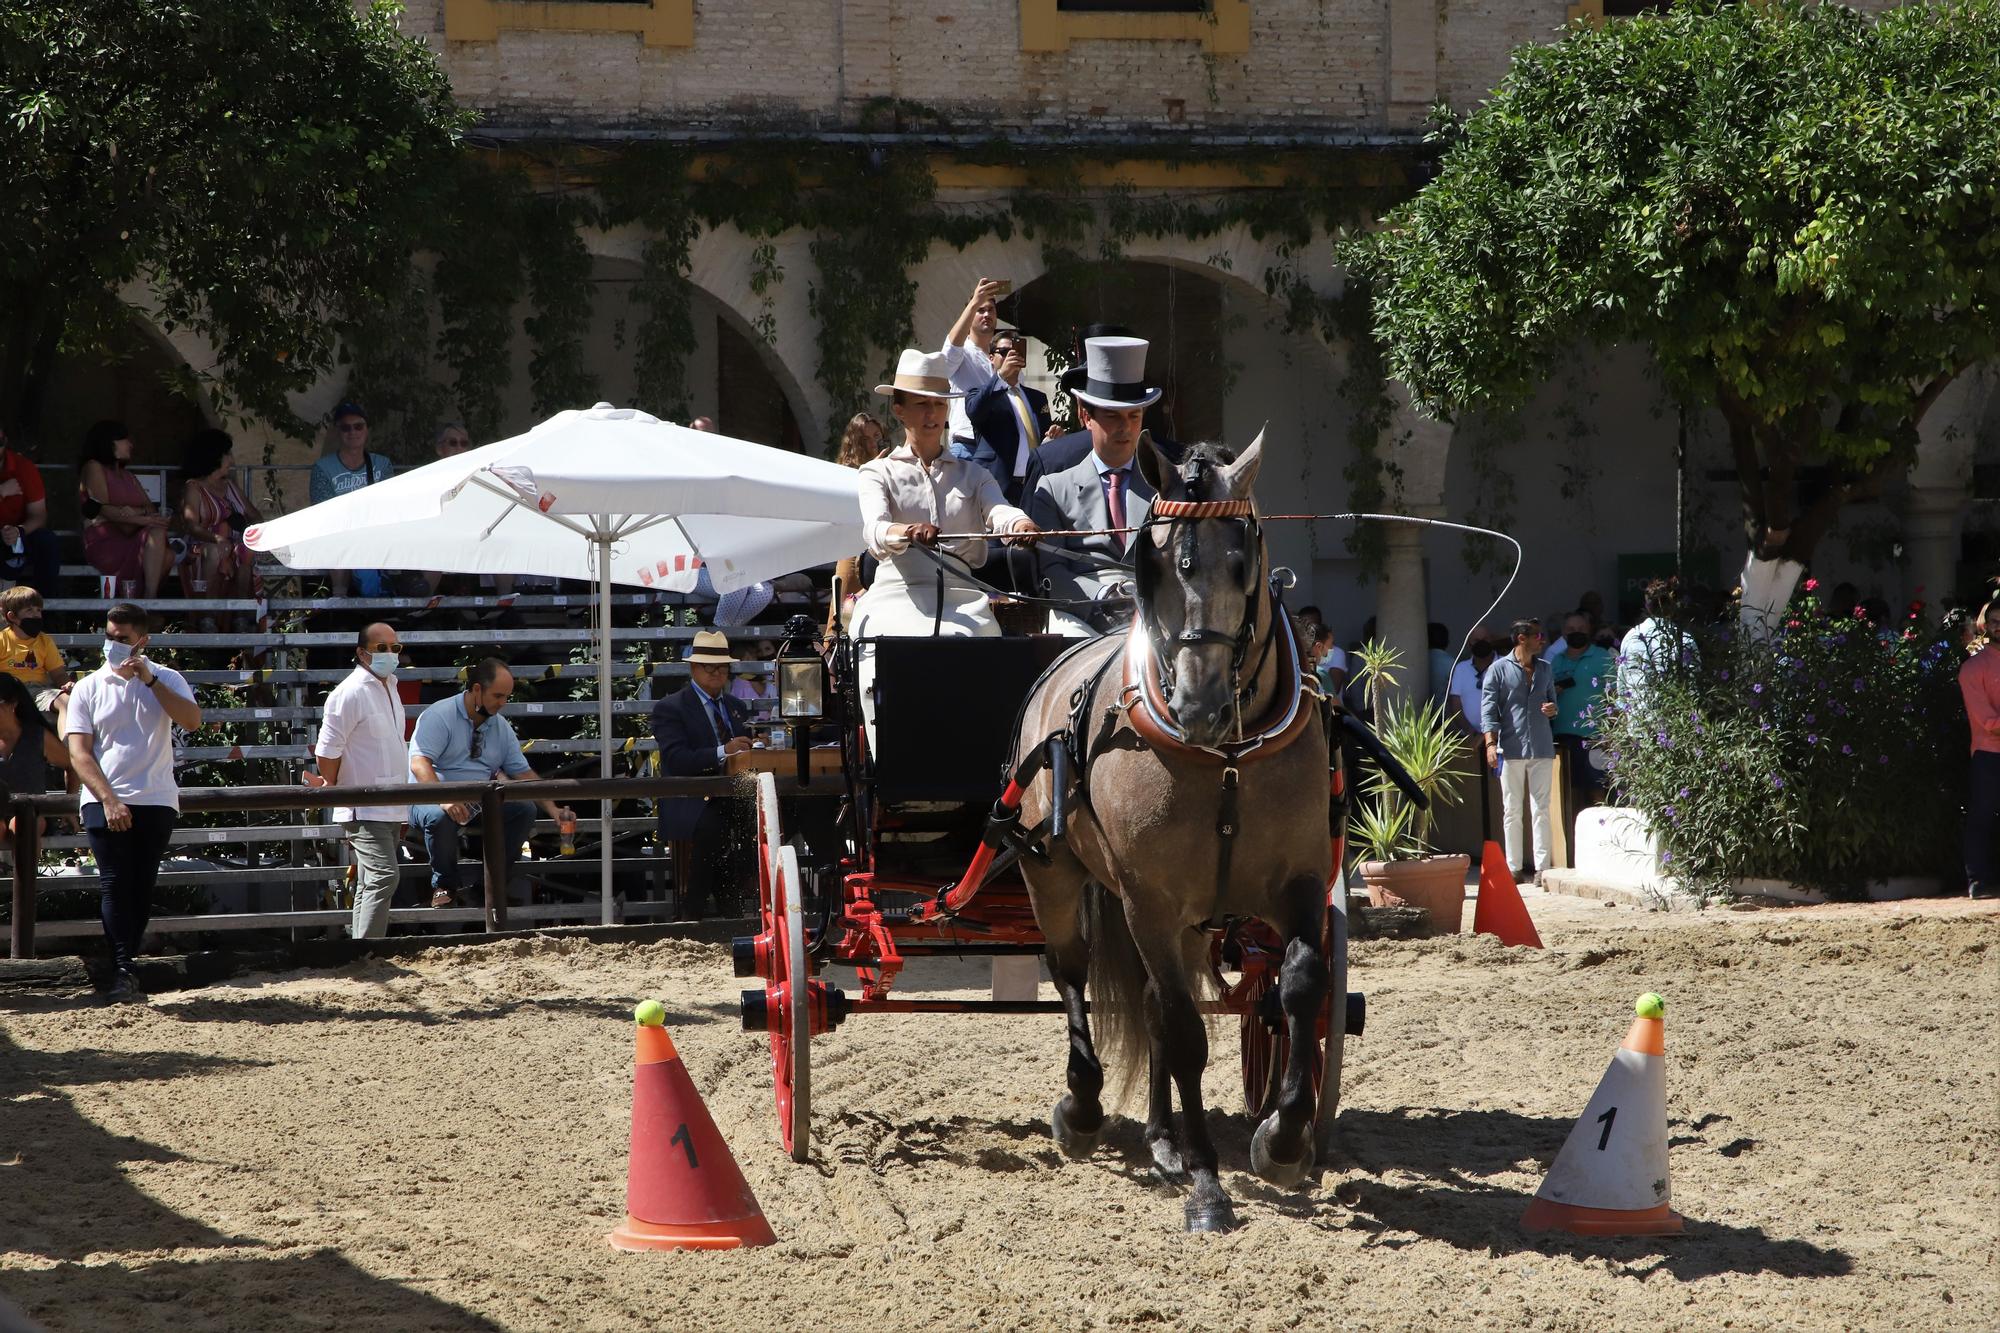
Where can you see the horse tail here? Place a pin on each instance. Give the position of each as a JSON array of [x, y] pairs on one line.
[[1117, 989]]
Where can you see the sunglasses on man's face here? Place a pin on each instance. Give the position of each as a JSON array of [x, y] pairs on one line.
[[387, 648]]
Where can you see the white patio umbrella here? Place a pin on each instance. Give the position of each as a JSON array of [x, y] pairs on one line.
[[611, 495]]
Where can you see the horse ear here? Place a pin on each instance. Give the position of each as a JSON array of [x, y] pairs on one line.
[[1242, 474], [1153, 464]]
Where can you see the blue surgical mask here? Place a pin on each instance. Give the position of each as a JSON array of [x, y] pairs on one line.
[[116, 654], [382, 664]]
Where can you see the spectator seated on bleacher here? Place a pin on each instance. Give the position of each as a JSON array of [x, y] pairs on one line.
[[29, 748], [214, 515], [759, 693], [464, 739], [348, 466], [29, 552], [124, 534], [28, 653]]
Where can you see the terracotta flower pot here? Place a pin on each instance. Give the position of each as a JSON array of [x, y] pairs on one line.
[[1436, 884]]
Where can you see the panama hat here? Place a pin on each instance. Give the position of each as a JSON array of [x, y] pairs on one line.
[[711, 648], [925, 374], [1113, 374]]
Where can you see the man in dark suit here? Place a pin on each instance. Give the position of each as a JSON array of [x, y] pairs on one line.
[[1009, 419], [697, 729]]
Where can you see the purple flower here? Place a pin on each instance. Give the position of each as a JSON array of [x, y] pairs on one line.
[[1810, 719], [1725, 673], [1763, 726], [1777, 782], [1812, 740], [1662, 738], [1847, 749], [1684, 792], [1882, 759], [1858, 682], [1666, 858], [1758, 688]]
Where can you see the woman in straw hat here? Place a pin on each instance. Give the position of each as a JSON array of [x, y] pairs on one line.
[[908, 497]]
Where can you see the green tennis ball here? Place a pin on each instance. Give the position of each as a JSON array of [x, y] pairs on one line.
[[1649, 1006], [652, 1014]]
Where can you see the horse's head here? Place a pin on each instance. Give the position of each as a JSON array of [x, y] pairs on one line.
[[1201, 571]]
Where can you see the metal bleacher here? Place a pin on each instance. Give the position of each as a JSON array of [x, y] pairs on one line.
[[261, 691]]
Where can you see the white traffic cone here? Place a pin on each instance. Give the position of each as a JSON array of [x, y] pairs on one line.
[[1610, 1179]]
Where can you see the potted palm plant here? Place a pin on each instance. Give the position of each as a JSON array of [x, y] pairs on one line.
[[1389, 834]]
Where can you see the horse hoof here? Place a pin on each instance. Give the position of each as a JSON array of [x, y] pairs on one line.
[[1282, 1174], [1167, 1158], [1211, 1218], [1073, 1142]]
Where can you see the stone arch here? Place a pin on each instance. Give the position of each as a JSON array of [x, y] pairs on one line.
[[720, 264]]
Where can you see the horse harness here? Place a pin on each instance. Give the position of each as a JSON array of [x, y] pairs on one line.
[[1146, 684]]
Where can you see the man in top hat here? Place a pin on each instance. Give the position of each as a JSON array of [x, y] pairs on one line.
[[1104, 490], [697, 729], [909, 497]]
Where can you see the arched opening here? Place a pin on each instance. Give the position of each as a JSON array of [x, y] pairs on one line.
[[732, 374], [1231, 365]]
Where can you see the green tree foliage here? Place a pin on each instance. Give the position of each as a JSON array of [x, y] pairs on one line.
[[259, 165], [1795, 207]]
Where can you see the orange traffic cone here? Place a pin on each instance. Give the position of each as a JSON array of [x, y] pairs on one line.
[[1610, 1179], [1500, 911], [682, 1190]]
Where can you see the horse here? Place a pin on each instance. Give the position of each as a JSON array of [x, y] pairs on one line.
[[1182, 767]]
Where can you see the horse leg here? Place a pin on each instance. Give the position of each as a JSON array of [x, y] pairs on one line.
[[1159, 1094], [1057, 893], [1184, 1042], [1281, 1151]]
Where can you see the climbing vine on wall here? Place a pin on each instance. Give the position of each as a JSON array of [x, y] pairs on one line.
[[508, 236]]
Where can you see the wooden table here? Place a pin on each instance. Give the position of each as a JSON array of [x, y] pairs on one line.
[[784, 763]]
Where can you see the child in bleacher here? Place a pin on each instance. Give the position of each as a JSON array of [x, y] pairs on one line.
[[28, 653]]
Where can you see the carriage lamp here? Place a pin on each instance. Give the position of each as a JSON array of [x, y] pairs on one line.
[[801, 683], [801, 688]]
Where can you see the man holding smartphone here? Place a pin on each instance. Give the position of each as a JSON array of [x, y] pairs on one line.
[[971, 368], [121, 743]]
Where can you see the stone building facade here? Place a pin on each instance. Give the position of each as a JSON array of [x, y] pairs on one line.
[[1165, 102]]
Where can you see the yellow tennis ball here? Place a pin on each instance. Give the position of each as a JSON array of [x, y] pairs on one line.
[[1650, 1006], [650, 1014]]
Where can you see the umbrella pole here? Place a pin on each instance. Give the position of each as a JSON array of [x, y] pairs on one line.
[[605, 847]]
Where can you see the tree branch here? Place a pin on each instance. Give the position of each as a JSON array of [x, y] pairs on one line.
[[1816, 521], [1749, 466]]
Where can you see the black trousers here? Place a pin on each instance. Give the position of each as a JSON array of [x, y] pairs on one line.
[[1982, 810], [38, 564], [128, 865], [722, 852]]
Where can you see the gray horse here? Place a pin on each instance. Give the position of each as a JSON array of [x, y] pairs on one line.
[[1195, 792]]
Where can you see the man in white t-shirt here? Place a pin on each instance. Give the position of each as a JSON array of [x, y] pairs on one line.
[[121, 743], [361, 745]]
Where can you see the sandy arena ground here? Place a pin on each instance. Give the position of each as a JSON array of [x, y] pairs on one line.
[[440, 1144]]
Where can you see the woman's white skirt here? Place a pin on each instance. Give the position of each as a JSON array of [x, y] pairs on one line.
[[893, 608]]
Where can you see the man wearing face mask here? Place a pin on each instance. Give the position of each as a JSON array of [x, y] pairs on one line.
[[120, 734], [361, 745], [464, 739], [1583, 674]]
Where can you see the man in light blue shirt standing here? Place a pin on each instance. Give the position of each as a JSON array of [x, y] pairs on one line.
[[1517, 701], [464, 739]]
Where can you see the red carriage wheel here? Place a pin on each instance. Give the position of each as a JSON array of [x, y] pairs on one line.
[[1263, 1050], [788, 1010]]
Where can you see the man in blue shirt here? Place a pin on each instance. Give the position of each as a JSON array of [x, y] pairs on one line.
[[464, 739], [1517, 701], [348, 466]]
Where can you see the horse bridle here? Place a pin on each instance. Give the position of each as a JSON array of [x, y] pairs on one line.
[[1179, 517]]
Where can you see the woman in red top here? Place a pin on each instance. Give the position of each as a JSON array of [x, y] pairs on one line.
[[1979, 682], [124, 535], [214, 514]]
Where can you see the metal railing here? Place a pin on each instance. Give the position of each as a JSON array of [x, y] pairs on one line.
[[489, 796]]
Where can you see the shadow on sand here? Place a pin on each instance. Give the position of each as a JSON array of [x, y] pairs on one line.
[[65, 1197]]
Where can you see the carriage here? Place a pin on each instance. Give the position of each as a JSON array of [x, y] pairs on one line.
[[903, 852]]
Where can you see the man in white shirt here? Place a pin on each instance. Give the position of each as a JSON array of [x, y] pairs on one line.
[[1655, 647], [971, 368], [361, 745], [120, 734]]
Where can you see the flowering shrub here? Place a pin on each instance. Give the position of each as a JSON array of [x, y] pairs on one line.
[[1827, 755]]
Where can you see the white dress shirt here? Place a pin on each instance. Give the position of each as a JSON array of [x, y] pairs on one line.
[[971, 370], [363, 729]]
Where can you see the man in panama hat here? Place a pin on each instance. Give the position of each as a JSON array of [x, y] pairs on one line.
[[697, 728]]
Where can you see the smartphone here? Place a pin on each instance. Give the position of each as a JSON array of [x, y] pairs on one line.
[[1006, 287]]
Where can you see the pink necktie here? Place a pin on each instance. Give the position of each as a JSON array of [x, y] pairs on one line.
[[1114, 495]]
